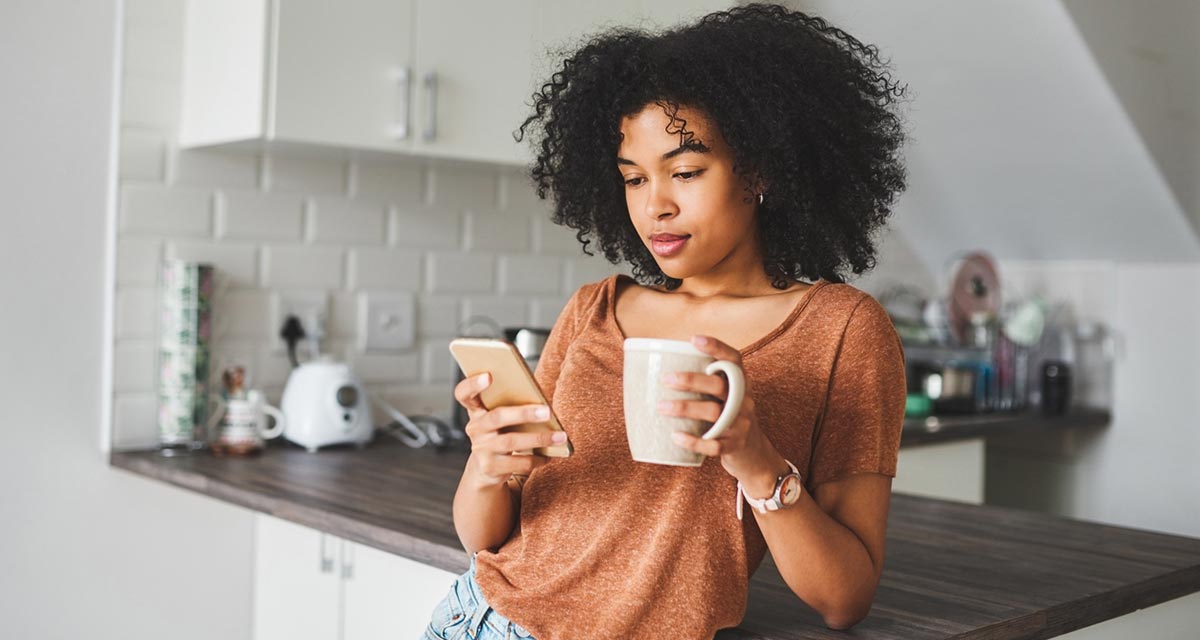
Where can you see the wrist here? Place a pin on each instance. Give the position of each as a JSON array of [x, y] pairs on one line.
[[760, 485], [480, 481]]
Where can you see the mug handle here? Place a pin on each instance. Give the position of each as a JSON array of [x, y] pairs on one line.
[[733, 402], [280, 423]]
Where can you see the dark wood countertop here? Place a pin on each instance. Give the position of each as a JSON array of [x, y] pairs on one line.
[[953, 570], [936, 429]]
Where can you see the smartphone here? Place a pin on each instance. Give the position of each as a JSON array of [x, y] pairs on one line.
[[512, 384]]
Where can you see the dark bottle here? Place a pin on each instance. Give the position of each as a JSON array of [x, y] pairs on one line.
[[1056, 387]]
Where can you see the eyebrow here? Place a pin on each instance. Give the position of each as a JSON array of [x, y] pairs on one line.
[[697, 147]]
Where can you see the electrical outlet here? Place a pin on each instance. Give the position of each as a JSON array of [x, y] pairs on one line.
[[312, 307], [386, 321]]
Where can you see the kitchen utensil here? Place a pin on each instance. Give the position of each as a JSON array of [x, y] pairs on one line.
[[324, 404], [974, 292], [240, 424]]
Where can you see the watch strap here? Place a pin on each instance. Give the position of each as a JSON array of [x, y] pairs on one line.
[[771, 503]]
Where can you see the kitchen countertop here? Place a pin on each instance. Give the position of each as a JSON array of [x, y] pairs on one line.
[[952, 569], [935, 429]]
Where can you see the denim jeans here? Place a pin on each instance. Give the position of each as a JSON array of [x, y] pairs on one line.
[[464, 615]]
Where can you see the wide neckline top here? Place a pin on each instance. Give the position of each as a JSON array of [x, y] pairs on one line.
[[611, 313]]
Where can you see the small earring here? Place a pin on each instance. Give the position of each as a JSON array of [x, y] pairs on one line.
[[760, 198]]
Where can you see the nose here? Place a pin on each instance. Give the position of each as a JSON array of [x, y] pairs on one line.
[[660, 202]]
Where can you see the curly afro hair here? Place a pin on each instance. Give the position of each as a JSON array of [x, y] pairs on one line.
[[802, 104]]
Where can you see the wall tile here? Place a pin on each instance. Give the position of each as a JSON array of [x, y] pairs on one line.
[[341, 220], [133, 365], [138, 260], [553, 239], [437, 316], [251, 215], [437, 363], [303, 266], [236, 264], [530, 274], [494, 231], [135, 421], [426, 228], [457, 188], [143, 155], [545, 311], [506, 311], [158, 210], [372, 367], [385, 269], [307, 176], [585, 270], [206, 168], [520, 197], [242, 313], [400, 184], [150, 101], [136, 315], [460, 273]]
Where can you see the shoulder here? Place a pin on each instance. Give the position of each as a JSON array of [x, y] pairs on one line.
[[852, 312]]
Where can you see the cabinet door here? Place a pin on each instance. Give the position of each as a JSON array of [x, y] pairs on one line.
[[480, 53], [947, 470], [296, 585], [387, 596], [334, 78]]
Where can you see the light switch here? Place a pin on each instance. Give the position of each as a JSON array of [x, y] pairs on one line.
[[386, 321]]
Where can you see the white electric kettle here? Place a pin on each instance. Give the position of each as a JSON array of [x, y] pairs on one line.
[[324, 403]]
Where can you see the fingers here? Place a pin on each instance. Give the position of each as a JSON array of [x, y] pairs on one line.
[[500, 467], [717, 349], [713, 448], [467, 391], [494, 420], [713, 385]]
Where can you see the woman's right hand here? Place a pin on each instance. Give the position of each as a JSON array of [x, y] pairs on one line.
[[492, 451]]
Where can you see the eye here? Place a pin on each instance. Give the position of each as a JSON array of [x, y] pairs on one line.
[[689, 175], [631, 182]]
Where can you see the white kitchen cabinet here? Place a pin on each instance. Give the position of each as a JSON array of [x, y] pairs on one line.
[[419, 77], [947, 470], [312, 585]]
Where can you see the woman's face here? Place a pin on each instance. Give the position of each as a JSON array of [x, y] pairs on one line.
[[690, 191]]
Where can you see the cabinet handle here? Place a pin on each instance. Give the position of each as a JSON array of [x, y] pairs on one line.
[[347, 559], [431, 84], [404, 97], [326, 560]]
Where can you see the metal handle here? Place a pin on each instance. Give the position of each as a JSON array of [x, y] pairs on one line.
[[347, 560], [326, 560], [404, 97], [431, 83]]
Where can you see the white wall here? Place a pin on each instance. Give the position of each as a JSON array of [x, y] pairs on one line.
[[85, 551]]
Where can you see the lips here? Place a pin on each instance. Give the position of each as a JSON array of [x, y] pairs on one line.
[[666, 244]]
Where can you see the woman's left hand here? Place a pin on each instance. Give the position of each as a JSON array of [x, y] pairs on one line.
[[744, 450]]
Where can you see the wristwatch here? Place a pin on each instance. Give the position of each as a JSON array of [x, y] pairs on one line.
[[788, 488]]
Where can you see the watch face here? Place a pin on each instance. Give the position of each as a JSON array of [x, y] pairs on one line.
[[789, 493]]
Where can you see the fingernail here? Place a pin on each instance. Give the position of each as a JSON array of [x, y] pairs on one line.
[[542, 413], [483, 378], [700, 340], [678, 437], [664, 405], [670, 378], [559, 437]]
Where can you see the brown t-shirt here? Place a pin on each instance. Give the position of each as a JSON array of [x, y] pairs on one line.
[[606, 547]]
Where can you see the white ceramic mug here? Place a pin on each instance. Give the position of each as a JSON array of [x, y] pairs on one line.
[[245, 421], [648, 430]]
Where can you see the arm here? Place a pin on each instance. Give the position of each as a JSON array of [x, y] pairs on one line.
[[485, 513]]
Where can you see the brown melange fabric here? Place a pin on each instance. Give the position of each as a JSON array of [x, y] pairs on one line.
[[610, 548]]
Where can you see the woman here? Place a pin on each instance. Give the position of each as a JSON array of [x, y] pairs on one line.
[[723, 161]]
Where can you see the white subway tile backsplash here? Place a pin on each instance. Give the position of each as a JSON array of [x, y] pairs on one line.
[[303, 266], [206, 168], [400, 184], [143, 155], [228, 353], [138, 260], [414, 399], [520, 197], [251, 215], [134, 365], [374, 368], [553, 239], [236, 264], [308, 176], [135, 421], [136, 312], [505, 311], [457, 188], [159, 210], [437, 364], [495, 231], [343, 315], [273, 368], [242, 313], [530, 274], [426, 228], [349, 221], [437, 316], [152, 37], [581, 271], [150, 100], [460, 272], [545, 311], [385, 269]]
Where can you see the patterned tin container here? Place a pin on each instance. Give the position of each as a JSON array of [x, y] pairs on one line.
[[184, 348]]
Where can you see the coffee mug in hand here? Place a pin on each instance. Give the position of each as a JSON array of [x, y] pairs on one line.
[[647, 360]]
